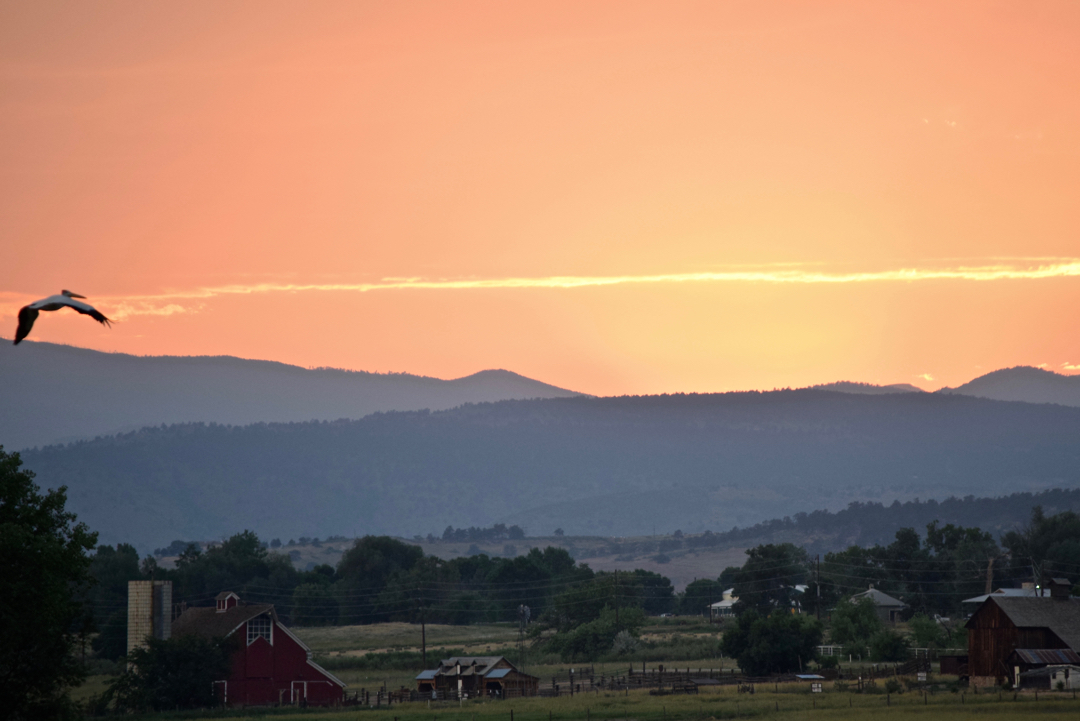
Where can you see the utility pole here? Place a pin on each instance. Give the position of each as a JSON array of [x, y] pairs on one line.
[[616, 598], [817, 585], [423, 636]]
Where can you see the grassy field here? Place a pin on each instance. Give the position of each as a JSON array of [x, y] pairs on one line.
[[405, 637], [787, 701], [792, 702]]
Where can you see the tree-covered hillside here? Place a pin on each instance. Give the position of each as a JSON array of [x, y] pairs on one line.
[[597, 466]]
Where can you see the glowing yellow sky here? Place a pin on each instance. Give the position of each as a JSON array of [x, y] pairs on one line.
[[611, 197]]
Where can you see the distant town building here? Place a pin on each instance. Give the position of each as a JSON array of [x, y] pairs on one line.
[[476, 676], [270, 666]]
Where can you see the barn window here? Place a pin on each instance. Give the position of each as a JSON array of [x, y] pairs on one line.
[[259, 627]]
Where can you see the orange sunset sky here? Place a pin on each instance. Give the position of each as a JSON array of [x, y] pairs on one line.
[[612, 197]]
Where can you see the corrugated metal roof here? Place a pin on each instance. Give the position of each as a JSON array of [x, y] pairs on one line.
[[426, 675], [1048, 655], [498, 673]]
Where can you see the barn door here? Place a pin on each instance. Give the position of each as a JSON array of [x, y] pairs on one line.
[[221, 693], [299, 692]]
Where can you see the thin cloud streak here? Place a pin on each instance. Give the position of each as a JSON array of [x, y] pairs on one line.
[[1070, 269], [133, 305]]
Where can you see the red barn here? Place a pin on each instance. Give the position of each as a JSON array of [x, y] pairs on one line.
[[270, 665]]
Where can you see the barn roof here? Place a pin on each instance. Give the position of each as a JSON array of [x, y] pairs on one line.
[[208, 621], [1061, 616]]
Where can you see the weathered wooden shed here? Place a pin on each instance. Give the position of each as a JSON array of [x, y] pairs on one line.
[[1002, 625]]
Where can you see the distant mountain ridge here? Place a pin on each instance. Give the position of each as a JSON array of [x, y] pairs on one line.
[[592, 466], [54, 393], [1025, 384], [868, 388]]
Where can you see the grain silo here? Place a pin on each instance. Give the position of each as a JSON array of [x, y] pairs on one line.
[[149, 612]]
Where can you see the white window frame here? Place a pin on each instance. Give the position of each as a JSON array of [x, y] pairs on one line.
[[252, 634]]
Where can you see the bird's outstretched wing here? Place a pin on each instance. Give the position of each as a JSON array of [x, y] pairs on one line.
[[27, 316], [87, 309]]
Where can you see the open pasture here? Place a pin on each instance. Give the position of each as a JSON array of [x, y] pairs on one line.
[[793, 701], [405, 637]]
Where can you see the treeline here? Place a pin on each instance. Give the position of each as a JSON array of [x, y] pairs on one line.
[[472, 534], [860, 524], [931, 573], [380, 579]]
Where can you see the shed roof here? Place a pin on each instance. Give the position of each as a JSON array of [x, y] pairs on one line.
[[208, 621], [426, 675], [879, 598], [1048, 670], [1060, 615], [499, 673], [1047, 655]]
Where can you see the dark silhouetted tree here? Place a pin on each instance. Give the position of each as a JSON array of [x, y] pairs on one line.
[[43, 554]]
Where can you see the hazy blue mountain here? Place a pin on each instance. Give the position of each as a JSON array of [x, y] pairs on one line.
[[1023, 383], [54, 393], [868, 388], [592, 466]]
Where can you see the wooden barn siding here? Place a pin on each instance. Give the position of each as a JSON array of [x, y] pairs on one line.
[[258, 678], [992, 637]]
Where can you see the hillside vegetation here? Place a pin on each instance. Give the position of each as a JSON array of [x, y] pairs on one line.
[[55, 393], [591, 466]]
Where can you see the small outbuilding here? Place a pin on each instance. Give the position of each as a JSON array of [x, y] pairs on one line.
[[888, 608], [1049, 678], [1024, 660], [477, 676]]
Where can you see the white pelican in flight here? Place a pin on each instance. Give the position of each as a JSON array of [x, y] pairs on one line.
[[29, 313]]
